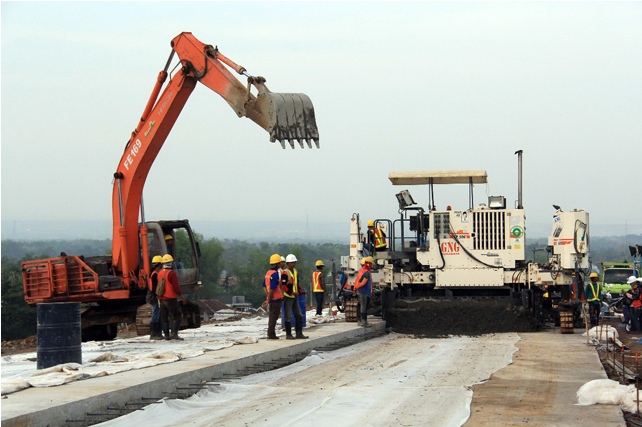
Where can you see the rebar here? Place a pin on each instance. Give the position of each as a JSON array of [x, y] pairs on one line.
[[623, 373]]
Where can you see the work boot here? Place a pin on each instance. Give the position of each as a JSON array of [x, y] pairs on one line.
[[299, 331], [175, 325], [288, 331], [166, 330], [155, 331], [159, 331], [364, 322], [360, 321], [272, 337]]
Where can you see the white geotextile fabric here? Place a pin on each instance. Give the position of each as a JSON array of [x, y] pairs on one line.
[[603, 334], [102, 358], [375, 383], [608, 392]]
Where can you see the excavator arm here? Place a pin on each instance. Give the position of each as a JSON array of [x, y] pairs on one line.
[[286, 117]]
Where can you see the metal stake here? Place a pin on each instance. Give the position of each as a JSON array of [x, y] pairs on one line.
[[623, 373]]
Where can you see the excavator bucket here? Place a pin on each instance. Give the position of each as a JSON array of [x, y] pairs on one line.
[[288, 117]]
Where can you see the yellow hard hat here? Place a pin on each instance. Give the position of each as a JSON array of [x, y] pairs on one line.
[[368, 259], [363, 261], [167, 258], [371, 223], [168, 237], [157, 259], [275, 259], [594, 275], [320, 263]]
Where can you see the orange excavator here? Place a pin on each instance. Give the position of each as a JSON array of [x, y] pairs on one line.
[[113, 287]]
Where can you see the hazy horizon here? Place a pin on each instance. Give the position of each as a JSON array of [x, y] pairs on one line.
[[253, 231], [396, 86]]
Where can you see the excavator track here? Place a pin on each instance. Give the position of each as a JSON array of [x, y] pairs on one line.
[[143, 319], [352, 311]]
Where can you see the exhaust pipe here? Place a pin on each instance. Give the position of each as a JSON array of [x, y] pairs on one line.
[[519, 179]]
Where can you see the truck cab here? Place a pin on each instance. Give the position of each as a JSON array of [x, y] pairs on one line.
[[615, 275]]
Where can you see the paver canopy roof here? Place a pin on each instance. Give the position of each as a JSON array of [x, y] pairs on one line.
[[438, 177]]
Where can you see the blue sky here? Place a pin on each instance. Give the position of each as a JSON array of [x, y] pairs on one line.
[[396, 87]]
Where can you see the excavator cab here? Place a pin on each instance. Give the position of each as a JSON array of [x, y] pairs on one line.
[[177, 239]]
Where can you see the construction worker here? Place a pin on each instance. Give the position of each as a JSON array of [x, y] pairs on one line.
[[169, 243], [593, 294], [168, 302], [318, 287], [274, 295], [151, 298], [628, 299], [279, 269], [635, 311], [376, 237], [291, 291], [363, 289]]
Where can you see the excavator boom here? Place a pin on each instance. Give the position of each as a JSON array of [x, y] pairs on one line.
[[287, 117], [118, 282]]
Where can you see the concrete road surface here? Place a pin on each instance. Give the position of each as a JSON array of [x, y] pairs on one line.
[[539, 388]]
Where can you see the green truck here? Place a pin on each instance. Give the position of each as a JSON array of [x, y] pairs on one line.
[[615, 275]]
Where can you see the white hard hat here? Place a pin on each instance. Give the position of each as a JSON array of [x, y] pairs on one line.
[[290, 258], [639, 279], [631, 279], [283, 258]]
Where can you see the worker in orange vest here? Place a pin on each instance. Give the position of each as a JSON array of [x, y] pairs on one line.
[[274, 296], [363, 289], [635, 311], [151, 299], [168, 302], [318, 286]]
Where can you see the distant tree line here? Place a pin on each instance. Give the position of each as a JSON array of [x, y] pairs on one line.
[[603, 249], [247, 262]]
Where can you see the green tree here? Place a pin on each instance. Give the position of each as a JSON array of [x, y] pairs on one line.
[[249, 263], [251, 275], [211, 266], [18, 318]]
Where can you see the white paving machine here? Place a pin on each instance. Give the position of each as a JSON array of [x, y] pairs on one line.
[[476, 254]]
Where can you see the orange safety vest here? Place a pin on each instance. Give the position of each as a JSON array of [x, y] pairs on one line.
[[358, 279], [276, 295], [316, 283], [169, 289], [637, 303], [292, 282], [151, 282], [380, 240]]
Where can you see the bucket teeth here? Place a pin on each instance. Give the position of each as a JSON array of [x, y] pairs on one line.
[[287, 117]]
